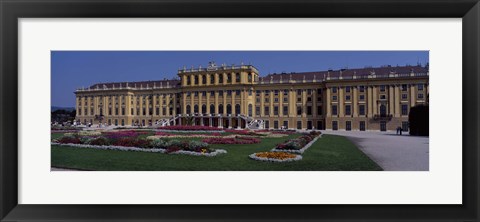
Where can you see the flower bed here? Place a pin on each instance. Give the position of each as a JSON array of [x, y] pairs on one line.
[[275, 156], [130, 139], [138, 149], [162, 135], [189, 128], [235, 140], [298, 145]]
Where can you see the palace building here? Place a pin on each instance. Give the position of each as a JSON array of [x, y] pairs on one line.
[[236, 96]]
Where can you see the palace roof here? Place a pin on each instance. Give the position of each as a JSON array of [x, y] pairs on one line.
[[346, 73], [139, 85]]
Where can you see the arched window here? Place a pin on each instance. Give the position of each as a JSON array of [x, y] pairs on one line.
[[196, 80], [220, 109], [188, 109], [229, 109], [212, 109], [383, 110], [204, 108], [250, 110], [220, 78], [195, 109], [204, 79], [212, 79], [237, 109]]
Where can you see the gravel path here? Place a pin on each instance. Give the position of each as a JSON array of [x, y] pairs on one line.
[[390, 151]]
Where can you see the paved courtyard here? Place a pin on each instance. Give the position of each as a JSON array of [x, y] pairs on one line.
[[390, 151]]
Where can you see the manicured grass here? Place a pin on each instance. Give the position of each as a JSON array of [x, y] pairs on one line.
[[329, 153]]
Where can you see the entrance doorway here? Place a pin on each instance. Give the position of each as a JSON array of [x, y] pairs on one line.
[[383, 126]]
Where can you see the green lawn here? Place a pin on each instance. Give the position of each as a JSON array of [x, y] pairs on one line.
[[329, 153]]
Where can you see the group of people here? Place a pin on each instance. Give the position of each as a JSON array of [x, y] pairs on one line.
[[399, 130]]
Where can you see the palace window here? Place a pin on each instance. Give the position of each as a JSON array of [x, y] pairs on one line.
[[250, 92], [347, 89], [143, 111], [188, 111], [420, 87], [220, 93], [237, 92], [299, 110], [257, 100], [109, 111], [361, 110], [285, 99], [157, 111], [404, 109], [405, 126], [299, 92], [195, 109], [275, 100], [257, 110], [188, 80], [420, 96], [275, 124], [404, 87], [334, 98], [196, 93], [299, 124], [266, 100], [276, 92], [285, 92], [275, 110], [309, 99], [267, 92], [204, 108], [348, 110], [299, 99], [309, 91], [382, 88], [250, 110], [285, 124], [237, 109], [319, 110], [131, 111], [383, 97], [334, 110], [285, 110], [212, 109], [220, 78], [188, 93], [229, 77], [404, 96], [361, 88], [204, 93], [347, 98], [237, 77], [123, 111], [249, 77], [319, 91], [196, 80], [212, 93], [204, 79], [319, 98], [257, 93], [334, 89], [150, 111], [266, 110], [309, 110], [212, 79]]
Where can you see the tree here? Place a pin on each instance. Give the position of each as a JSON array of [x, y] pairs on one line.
[[419, 120]]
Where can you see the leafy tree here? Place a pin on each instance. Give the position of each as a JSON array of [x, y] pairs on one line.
[[419, 120]]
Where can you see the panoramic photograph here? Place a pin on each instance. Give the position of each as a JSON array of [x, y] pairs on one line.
[[239, 111]]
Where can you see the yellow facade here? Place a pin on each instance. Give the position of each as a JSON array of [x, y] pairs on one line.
[[236, 96]]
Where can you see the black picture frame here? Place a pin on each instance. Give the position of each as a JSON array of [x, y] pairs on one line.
[[11, 11]]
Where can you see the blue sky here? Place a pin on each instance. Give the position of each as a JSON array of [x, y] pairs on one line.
[[75, 69]]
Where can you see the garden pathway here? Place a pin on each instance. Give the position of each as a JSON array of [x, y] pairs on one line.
[[390, 151]]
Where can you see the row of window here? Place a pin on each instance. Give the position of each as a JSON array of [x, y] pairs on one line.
[[382, 88], [361, 110], [382, 97], [230, 76], [362, 127]]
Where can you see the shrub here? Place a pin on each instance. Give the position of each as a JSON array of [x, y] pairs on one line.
[[99, 141], [158, 143], [237, 140], [69, 139], [187, 128]]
